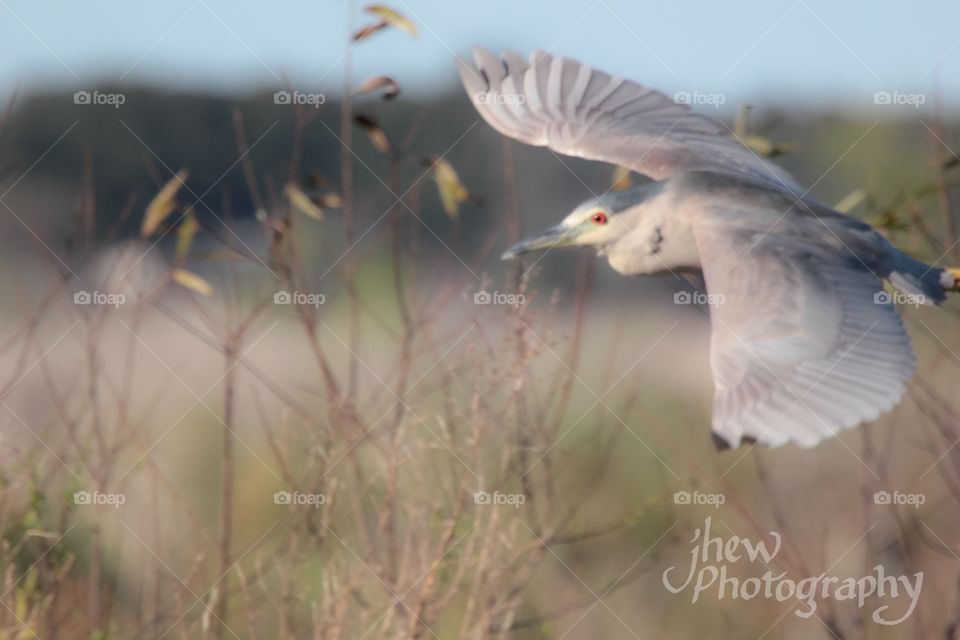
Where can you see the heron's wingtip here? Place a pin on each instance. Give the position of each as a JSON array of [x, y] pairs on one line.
[[480, 52], [473, 80]]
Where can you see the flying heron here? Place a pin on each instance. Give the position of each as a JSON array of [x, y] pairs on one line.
[[804, 338]]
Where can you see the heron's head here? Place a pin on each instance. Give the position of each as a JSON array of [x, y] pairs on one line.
[[594, 223]]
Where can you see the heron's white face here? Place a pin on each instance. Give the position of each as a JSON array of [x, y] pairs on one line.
[[590, 224], [593, 224]]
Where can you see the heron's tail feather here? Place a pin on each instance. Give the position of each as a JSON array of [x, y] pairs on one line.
[[924, 282]]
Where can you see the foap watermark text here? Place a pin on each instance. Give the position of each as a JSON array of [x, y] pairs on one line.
[[486, 97], [99, 298], [901, 298], [694, 98], [698, 297], [299, 298], [699, 498], [899, 98], [314, 100], [292, 498], [95, 498], [897, 498], [497, 498], [498, 297], [99, 98]]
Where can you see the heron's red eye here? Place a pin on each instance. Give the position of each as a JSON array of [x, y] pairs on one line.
[[599, 218]]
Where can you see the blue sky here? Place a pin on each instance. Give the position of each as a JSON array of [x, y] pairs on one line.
[[813, 53]]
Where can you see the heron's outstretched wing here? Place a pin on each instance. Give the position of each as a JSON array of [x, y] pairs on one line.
[[579, 111], [803, 342]]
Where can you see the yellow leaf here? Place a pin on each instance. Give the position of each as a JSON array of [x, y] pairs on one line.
[[762, 146], [302, 202], [381, 82], [392, 18], [192, 281], [888, 221], [451, 190], [330, 200], [369, 30], [765, 147], [185, 233], [162, 204], [21, 603], [218, 256], [30, 584], [621, 178], [377, 136], [852, 199], [740, 124]]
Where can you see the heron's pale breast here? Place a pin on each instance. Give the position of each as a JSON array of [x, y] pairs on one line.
[[660, 241]]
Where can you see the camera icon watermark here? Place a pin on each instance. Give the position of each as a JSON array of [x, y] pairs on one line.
[[314, 100], [99, 298], [898, 98], [497, 297], [697, 498], [897, 498], [299, 298], [95, 498], [98, 98], [295, 498], [484, 498]]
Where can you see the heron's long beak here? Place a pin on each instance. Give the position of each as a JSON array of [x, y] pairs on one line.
[[553, 238]]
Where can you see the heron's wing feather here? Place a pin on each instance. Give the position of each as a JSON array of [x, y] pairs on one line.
[[578, 111], [800, 345]]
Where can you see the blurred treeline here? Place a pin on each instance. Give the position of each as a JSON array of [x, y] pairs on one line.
[[111, 161]]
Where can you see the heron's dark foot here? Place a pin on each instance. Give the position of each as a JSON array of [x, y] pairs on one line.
[[719, 442]]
